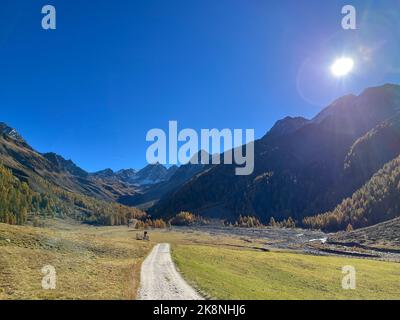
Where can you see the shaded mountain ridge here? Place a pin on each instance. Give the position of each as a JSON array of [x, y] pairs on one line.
[[299, 165]]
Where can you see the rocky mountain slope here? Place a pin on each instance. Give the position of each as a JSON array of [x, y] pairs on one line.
[[148, 195], [149, 175], [37, 169]]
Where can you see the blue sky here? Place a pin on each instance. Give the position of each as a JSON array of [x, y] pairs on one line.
[[115, 69]]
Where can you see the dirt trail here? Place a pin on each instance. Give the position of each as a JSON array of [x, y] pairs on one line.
[[161, 281]]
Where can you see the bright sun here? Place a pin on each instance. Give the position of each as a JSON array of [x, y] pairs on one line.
[[342, 67]]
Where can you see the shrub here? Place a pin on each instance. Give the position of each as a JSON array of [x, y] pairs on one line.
[[185, 218]]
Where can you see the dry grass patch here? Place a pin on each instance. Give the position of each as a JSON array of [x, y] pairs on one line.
[[91, 263]]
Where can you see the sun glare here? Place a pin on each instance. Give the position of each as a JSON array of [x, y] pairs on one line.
[[342, 67]]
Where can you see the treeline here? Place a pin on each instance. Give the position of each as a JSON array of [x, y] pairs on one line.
[[149, 223], [254, 222], [183, 218], [17, 200], [377, 201], [247, 222], [286, 223]]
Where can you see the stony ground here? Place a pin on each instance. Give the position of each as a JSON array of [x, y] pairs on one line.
[[378, 242], [383, 235]]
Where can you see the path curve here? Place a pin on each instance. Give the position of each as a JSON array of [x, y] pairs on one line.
[[160, 280]]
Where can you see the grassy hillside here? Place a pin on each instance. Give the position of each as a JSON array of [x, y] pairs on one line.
[[246, 274], [91, 263]]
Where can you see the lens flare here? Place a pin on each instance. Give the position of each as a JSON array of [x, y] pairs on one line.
[[342, 67]]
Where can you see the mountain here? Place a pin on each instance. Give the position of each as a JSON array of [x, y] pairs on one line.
[[39, 169], [126, 175], [47, 185], [62, 165], [370, 152], [7, 131], [152, 174], [171, 172], [149, 175], [104, 174], [331, 164], [357, 114], [176, 177], [300, 165], [377, 201], [287, 126]]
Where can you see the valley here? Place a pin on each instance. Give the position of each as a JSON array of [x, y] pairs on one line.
[[105, 263], [324, 195], [318, 172]]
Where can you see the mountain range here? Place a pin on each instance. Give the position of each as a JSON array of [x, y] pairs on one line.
[[25, 162], [149, 175], [303, 168]]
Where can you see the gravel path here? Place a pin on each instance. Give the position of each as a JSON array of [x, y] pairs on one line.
[[161, 281]]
